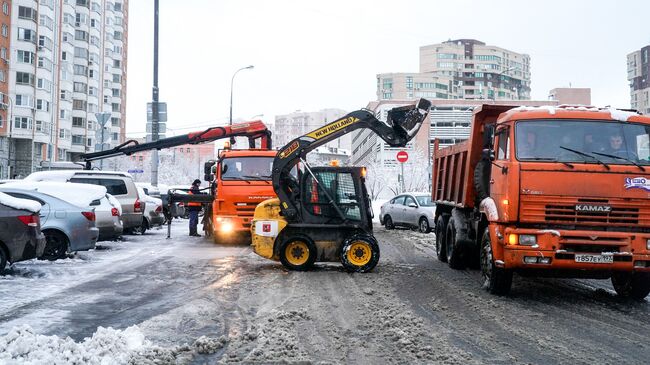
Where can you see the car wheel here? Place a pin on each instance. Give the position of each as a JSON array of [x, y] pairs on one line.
[[360, 253], [3, 260], [441, 228], [388, 222], [423, 226], [635, 285], [142, 228], [496, 280], [298, 253], [56, 245]]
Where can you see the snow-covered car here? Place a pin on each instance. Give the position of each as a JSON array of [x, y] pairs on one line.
[[118, 184], [109, 218], [153, 213], [67, 227], [409, 210], [20, 230]]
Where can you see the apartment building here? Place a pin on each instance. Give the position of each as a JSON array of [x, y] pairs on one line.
[[292, 125], [461, 69], [638, 74], [5, 37], [67, 63]]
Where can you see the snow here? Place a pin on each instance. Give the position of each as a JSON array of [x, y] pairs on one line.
[[20, 204], [376, 208], [549, 108], [77, 194], [57, 175], [621, 115], [115, 203]]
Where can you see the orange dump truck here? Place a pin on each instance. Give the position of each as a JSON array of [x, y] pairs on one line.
[[547, 191]]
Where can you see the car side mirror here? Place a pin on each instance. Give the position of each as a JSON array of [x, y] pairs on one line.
[[413, 205]]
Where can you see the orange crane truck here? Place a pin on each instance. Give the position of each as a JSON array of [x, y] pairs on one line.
[[547, 191], [240, 178]]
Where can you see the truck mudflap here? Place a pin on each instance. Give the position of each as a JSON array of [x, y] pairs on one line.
[[573, 250]]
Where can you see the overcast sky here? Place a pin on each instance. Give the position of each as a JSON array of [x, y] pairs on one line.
[[310, 55]]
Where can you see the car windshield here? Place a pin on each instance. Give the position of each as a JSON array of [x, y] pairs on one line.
[[425, 201], [592, 141], [246, 168]]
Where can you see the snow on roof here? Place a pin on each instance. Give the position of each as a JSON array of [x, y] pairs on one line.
[[621, 115], [77, 194], [549, 108], [54, 175], [20, 204]]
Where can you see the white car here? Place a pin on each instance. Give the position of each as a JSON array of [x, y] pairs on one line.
[[153, 211], [109, 218], [409, 210]]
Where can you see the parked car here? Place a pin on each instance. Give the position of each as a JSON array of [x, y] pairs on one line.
[[118, 184], [409, 210], [67, 227], [153, 213], [109, 218], [20, 230]]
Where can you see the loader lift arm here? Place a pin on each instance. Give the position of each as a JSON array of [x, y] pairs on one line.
[[401, 126], [253, 130]]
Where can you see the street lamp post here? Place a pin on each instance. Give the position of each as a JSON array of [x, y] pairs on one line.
[[232, 80]]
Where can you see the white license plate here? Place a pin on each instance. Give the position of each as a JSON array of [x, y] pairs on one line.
[[595, 259]]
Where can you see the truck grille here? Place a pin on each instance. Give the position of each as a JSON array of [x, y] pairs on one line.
[[562, 211], [245, 209]]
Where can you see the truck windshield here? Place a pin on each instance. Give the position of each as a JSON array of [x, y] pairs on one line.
[[246, 168], [586, 141]]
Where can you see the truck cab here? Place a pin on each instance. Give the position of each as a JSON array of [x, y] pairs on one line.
[[242, 180], [553, 191]]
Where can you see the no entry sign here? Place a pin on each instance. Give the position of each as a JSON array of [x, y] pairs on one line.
[[402, 156]]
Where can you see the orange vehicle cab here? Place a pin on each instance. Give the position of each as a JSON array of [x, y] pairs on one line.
[[548, 191], [242, 181]]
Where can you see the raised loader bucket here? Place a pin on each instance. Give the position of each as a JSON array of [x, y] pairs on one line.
[[407, 120]]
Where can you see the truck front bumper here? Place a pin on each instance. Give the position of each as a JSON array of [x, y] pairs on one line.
[[574, 250]]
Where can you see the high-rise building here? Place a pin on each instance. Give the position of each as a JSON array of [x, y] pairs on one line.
[[638, 74], [571, 95], [292, 125], [67, 62], [461, 69]]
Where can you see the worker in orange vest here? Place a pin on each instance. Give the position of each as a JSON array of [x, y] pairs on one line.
[[194, 208]]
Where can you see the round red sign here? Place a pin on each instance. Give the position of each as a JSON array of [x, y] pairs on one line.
[[402, 156]]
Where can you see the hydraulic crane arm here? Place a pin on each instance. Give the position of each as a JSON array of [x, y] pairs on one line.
[[402, 124], [253, 130]]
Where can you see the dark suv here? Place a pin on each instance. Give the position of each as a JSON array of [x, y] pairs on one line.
[[20, 230]]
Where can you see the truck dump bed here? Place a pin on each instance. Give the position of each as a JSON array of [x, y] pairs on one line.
[[453, 166]]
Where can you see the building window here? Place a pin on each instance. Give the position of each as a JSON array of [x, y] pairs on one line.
[[77, 139], [115, 122], [63, 114], [80, 87], [25, 57], [115, 137], [25, 101], [79, 104], [27, 35], [44, 84], [24, 78], [5, 30], [23, 123], [46, 22], [78, 122], [26, 13], [5, 8], [42, 105], [44, 42], [80, 35]]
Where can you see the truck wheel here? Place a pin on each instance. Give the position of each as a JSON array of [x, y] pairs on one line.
[[631, 285], [482, 179], [298, 253], [496, 280], [388, 223], [360, 253], [423, 225], [3, 259], [441, 228], [56, 245], [454, 250]]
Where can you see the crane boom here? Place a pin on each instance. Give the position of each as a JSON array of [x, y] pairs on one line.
[[253, 130]]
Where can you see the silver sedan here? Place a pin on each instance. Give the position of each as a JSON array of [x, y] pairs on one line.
[[409, 210]]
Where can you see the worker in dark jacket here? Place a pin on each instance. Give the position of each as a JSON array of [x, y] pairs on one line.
[[194, 208]]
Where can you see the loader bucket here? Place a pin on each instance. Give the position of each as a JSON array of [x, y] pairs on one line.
[[407, 120]]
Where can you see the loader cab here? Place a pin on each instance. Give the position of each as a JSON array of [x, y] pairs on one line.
[[335, 187]]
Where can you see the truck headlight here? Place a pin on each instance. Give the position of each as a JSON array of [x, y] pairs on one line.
[[226, 227], [647, 244], [527, 239]]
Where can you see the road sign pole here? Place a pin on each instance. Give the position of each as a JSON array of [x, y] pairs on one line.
[[402, 165], [402, 157]]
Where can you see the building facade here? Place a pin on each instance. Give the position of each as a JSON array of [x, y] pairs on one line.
[[571, 95], [67, 61], [292, 125], [638, 74], [461, 69]]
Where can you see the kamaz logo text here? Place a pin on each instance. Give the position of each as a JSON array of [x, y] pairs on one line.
[[593, 208]]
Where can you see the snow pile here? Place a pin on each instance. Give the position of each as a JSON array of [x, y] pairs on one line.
[[621, 115], [20, 204], [106, 346], [58, 175], [77, 194]]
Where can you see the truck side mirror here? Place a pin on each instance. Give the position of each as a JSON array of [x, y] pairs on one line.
[[488, 154], [207, 170]]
